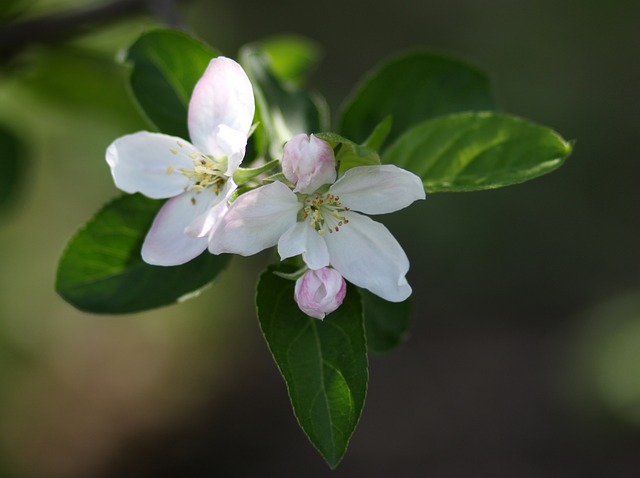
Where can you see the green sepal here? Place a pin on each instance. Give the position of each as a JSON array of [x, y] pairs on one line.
[[349, 154], [244, 175]]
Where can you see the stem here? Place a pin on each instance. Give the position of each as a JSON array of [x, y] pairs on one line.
[[62, 26], [243, 175]]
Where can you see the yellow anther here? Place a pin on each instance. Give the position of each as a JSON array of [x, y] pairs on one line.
[[206, 173]]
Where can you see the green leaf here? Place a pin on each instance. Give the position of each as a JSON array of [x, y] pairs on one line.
[[11, 165], [97, 84], [285, 109], [413, 88], [166, 65], [10, 9], [102, 271], [324, 363], [291, 57], [386, 322], [379, 134], [349, 154], [474, 151]]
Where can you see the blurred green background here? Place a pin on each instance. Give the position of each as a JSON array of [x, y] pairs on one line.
[[524, 354]]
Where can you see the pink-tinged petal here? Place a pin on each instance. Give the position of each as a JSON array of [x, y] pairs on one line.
[[166, 243], [367, 255], [204, 223], [150, 163], [304, 239], [308, 162], [320, 292], [378, 189], [223, 97], [256, 220]]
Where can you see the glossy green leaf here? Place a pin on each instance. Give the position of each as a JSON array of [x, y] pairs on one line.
[[166, 65], [474, 151], [386, 322], [11, 165], [291, 57], [324, 363], [413, 88], [349, 154], [285, 109], [102, 271]]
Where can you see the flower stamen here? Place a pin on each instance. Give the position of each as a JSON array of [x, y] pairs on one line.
[[324, 213], [207, 172]]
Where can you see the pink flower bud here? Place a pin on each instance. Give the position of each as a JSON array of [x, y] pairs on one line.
[[320, 292], [308, 162]]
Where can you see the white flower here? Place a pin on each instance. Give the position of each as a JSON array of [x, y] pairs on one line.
[[324, 227], [320, 292], [196, 176]]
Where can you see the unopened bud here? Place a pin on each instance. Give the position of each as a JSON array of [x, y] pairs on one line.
[[320, 292], [308, 162]]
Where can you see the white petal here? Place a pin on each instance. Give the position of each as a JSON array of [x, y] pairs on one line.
[[367, 255], [232, 144], [222, 97], [150, 163], [304, 239], [203, 224], [166, 243], [378, 189], [256, 220]]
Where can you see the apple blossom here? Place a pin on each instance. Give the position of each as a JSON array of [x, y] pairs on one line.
[[196, 176], [324, 227], [320, 292]]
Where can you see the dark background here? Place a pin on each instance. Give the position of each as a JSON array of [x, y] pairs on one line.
[[523, 358]]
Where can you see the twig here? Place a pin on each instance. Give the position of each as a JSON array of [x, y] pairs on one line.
[[65, 25]]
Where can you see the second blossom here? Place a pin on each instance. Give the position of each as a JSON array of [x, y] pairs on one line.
[[324, 225]]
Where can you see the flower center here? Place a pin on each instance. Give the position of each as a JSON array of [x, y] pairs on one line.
[[207, 172], [324, 212]]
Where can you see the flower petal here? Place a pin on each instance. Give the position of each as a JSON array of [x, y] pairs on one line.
[[256, 220], [166, 243], [223, 97], [204, 223], [378, 189], [367, 255], [150, 163], [232, 144], [304, 239]]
